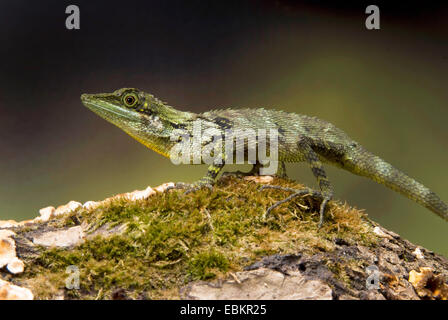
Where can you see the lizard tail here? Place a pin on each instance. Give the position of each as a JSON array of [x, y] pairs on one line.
[[361, 162]]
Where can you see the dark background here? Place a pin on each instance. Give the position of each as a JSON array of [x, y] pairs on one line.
[[387, 88]]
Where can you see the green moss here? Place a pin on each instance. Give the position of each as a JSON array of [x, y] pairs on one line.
[[172, 238], [201, 266], [338, 270]]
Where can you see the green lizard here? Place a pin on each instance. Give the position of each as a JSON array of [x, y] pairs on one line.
[[300, 139]]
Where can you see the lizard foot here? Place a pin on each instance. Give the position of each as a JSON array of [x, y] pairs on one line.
[[191, 187], [299, 193]]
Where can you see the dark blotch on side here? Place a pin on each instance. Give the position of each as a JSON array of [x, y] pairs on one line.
[[223, 123]]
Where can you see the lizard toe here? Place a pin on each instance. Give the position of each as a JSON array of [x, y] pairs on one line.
[[318, 195]]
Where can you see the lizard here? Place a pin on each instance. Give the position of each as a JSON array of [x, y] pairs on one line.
[[301, 138]]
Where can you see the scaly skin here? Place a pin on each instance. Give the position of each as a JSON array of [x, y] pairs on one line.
[[301, 139]]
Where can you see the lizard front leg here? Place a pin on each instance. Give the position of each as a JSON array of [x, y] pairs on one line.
[[206, 181], [326, 190]]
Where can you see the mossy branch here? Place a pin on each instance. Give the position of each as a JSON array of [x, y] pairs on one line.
[[164, 245]]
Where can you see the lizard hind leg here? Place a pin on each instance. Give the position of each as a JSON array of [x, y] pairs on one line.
[[326, 190]]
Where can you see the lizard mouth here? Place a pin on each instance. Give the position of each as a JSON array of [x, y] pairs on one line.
[[109, 111]]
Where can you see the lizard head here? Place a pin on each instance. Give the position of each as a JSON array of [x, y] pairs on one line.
[[140, 114]]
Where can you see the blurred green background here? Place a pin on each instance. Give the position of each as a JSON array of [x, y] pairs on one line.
[[386, 88]]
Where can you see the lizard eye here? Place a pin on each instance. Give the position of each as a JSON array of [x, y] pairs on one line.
[[130, 99]]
